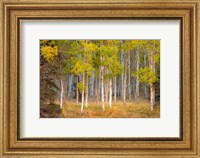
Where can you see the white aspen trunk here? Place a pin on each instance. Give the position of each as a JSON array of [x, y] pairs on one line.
[[110, 93], [96, 91], [86, 91], [115, 90], [82, 104], [57, 81], [134, 69], [122, 84], [145, 86], [61, 93], [102, 87], [129, 77], [106, 92], [70, 85], [125, 77], [137, 78], [99, 82], [77, 91], [106, 89], [152, 97], [64, 90], [92, 84], [66, 81], [152, 86], [119, 86]]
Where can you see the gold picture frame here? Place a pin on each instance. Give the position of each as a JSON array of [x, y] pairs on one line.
[[13, 11]]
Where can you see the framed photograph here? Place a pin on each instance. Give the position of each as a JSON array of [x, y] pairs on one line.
[[99, 79]]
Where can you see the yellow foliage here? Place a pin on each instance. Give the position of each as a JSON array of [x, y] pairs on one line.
[[49, 52]]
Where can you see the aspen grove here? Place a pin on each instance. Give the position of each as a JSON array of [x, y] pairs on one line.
[[104, 72]]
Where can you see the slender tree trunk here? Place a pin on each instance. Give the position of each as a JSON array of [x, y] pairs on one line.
[[86, 91], [129, 77], [137, 78], [77, 91], [106, 89], [64, 90], [152, 86], [106, 92], [115, 89], [92, 84], [65, 87], [99, 81], [86, 80], [102, 87], [152, 97], [96, 91], [82, 104], [145, 86], [125, 77], [70, 85], [57, 81], [134, 70], [110, 93], [61, 93], [122, 84], [119, 86]]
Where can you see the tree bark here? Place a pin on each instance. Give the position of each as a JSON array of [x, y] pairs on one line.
[[102, 86], [115, 89], [69, 86], [137, 78], [106, 92], [96, 91], [83, 80], [77, 91], [110, 93], [125, 77], [61, 93], [99, 82], [92, 85], [145, 86], [152, 86], [64, 88], [129, 77], [152, 97], [122, 83], [86, 91]]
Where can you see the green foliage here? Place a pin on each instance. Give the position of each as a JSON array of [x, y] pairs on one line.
[[109, 55], [81, 87], [81, 57], [88, 47], [156, 57], [152, 45], [78, 67], [146, 75], [128, 45]]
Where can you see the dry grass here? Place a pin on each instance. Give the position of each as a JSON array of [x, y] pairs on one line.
[[130, 110]]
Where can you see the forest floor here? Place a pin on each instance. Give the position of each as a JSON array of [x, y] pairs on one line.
[[119, 110]]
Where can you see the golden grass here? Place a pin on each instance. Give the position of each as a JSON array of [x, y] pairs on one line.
[[130, 110]]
